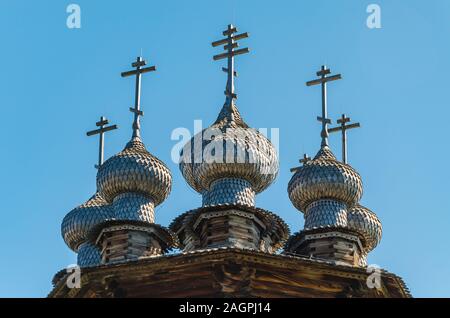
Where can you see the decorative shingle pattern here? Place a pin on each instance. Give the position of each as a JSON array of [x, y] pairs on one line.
[[78, 222], [133, 206], [229, 191], [325, 213], [324, 177], [365, 222], [363, 260], [88, 255], [229, 149], [134, 169]]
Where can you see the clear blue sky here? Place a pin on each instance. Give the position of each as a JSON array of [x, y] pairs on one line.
[[56, 82]]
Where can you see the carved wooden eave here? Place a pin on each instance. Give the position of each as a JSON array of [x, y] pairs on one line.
[[229, 272]]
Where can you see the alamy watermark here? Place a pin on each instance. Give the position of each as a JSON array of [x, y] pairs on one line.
[[74, 278], [374, 279], [234, 145], [374, 19], [74, 19]]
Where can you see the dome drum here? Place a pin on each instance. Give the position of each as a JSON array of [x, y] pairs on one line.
[[134, 206], [338, 245], [123, 241], [88, 255], [325, 213], [229, 191], [230, 228], [236, 226]]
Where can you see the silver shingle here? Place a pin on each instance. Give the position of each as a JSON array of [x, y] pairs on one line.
[[245, 154], [365, 222], [78, 222], [134, 169], [324, 177]]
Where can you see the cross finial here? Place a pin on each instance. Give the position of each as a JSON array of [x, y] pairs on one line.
[[323, 80], [343, 128], [230, 44], [303, 161], [101, 132], [138, 64]]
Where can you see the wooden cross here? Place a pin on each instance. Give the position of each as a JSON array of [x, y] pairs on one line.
[[304, 160], [101, 132], [343, 128], [230, 44], [140, 62], [323, 80]]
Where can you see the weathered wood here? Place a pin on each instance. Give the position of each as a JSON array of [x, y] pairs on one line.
[[332, 248], [121, 245], [231, 273], [222, 230]]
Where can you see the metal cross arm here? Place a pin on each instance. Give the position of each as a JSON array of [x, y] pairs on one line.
[[139, 71], [234, 38], [304, 160], [101, 131], [324, 80], [230, 54], [351, 126], [230, 46], [136, 110], [324, 120], [343, 128], [230, 30]]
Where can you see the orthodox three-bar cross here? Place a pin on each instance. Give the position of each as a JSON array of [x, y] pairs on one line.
[[138, 64], [304, 160], [323, 80], [230, 44], [343, 128], [101, 132]]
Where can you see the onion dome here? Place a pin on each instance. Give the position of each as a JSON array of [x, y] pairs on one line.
[[134, 169], [240, 159], [367, 224], [229, 149], [79, 222], [324, 177]]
